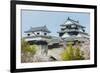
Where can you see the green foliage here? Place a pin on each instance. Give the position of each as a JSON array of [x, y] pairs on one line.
[[71, 53], [25, 46], [79, 54], [27, 51]]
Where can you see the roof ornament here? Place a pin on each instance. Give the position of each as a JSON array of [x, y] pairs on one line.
[[68, 18], [72, 20]]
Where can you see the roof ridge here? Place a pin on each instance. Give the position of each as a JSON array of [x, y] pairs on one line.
[[72, 20], [40, 28]]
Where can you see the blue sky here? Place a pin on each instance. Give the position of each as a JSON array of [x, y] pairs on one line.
[[52, 20]]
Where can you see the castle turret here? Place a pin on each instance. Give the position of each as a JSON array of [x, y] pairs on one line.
[[38, 36]]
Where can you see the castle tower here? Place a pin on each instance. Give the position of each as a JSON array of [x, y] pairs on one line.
[[71, 30]]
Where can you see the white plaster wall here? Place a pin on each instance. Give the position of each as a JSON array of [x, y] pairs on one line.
[[31, 34], [65, 35], [40, 32]]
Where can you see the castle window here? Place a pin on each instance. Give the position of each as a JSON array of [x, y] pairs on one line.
[[28, 34], [38, 33], [45, 33]]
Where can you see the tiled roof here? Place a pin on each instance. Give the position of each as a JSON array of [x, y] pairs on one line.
[[34, 29], [71, 22]]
